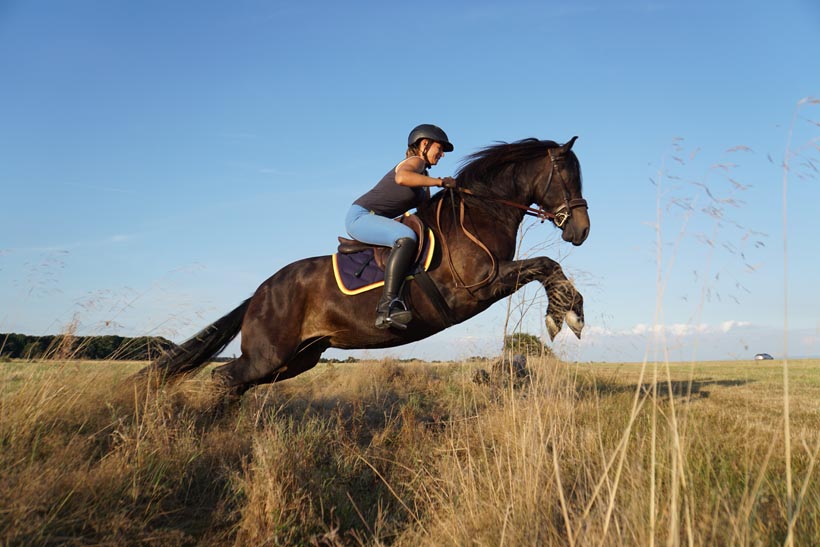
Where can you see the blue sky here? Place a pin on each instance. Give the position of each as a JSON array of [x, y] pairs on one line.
[[159, 160]]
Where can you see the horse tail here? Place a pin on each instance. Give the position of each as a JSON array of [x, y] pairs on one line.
[[192, 354]]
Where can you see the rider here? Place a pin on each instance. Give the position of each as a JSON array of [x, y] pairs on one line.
[[370, 218]]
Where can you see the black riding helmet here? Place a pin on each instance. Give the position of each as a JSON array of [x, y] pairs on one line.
[[432, 132]]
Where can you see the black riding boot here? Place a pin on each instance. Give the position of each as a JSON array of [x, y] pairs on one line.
[[392, 312]]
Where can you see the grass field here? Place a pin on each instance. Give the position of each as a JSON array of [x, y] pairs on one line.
[[382, 453]]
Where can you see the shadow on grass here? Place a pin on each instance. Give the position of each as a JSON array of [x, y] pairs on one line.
[[360, 419], [680, 389]]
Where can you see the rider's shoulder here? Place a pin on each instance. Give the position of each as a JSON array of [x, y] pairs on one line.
[[413, 163]]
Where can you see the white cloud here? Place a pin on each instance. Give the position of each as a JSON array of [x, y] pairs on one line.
[[675, 329], [594, 330], [726, 326], [684, 329]]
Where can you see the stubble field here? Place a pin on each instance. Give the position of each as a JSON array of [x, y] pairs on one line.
[[389, 453]]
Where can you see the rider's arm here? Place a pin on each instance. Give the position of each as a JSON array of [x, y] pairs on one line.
[[408, 173]]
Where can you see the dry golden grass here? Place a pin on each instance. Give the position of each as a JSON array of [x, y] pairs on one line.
[[381, 453]]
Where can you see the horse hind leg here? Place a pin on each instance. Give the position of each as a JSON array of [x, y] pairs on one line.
[[231, 377], [304, 359], [241, 374]]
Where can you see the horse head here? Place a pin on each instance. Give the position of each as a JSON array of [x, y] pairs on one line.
[[531, 171], [558, 191]]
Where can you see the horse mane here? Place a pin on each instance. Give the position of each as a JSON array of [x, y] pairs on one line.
[[480, 169], [494, 170]]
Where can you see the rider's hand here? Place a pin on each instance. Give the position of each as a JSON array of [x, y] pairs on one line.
[[449, 182]]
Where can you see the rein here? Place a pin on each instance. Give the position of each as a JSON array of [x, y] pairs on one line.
[[540, 212], [471, 237]]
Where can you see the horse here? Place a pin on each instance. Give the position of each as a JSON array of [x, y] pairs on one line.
[[299, 312]]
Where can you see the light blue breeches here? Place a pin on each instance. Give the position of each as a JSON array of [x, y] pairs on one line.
[[368, 227]]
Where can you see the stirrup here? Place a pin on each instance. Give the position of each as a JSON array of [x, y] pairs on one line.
[[391, 317], [402, 315]]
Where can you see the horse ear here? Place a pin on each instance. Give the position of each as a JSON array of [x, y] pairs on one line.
[[568, 145]]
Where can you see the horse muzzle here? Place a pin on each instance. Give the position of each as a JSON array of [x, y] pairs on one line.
[[575, 229]]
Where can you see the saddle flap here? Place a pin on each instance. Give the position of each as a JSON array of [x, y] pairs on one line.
[[350, 246]]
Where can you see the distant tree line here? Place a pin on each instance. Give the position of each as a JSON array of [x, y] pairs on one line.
[[350, 359], [66, 346]]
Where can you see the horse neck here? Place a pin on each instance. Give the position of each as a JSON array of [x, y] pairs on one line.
[[492, 223]]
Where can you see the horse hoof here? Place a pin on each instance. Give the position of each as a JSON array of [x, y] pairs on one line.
[[575, 323], [552, 328]]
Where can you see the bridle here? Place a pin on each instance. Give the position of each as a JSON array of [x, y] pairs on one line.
[[564, 211], [559, 217]]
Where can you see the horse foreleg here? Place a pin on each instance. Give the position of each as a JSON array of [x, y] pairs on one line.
[[565, 303]]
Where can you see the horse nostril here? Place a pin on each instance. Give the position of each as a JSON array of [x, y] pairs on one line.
[[584, 233]]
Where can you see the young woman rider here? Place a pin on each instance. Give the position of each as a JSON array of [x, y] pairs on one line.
[[370, 218]]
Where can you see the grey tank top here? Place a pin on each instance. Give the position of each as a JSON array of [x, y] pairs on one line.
[[389, 199]]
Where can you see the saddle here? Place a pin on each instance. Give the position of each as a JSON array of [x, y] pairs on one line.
[[359, 267], [380, 253]]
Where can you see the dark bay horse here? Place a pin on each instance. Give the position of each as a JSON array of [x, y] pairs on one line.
[[299, 312]]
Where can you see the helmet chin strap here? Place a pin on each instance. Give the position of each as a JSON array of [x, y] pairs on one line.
[[424, 154]]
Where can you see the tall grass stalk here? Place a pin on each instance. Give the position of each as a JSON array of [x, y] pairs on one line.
[[786, 169], [786, 421]]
